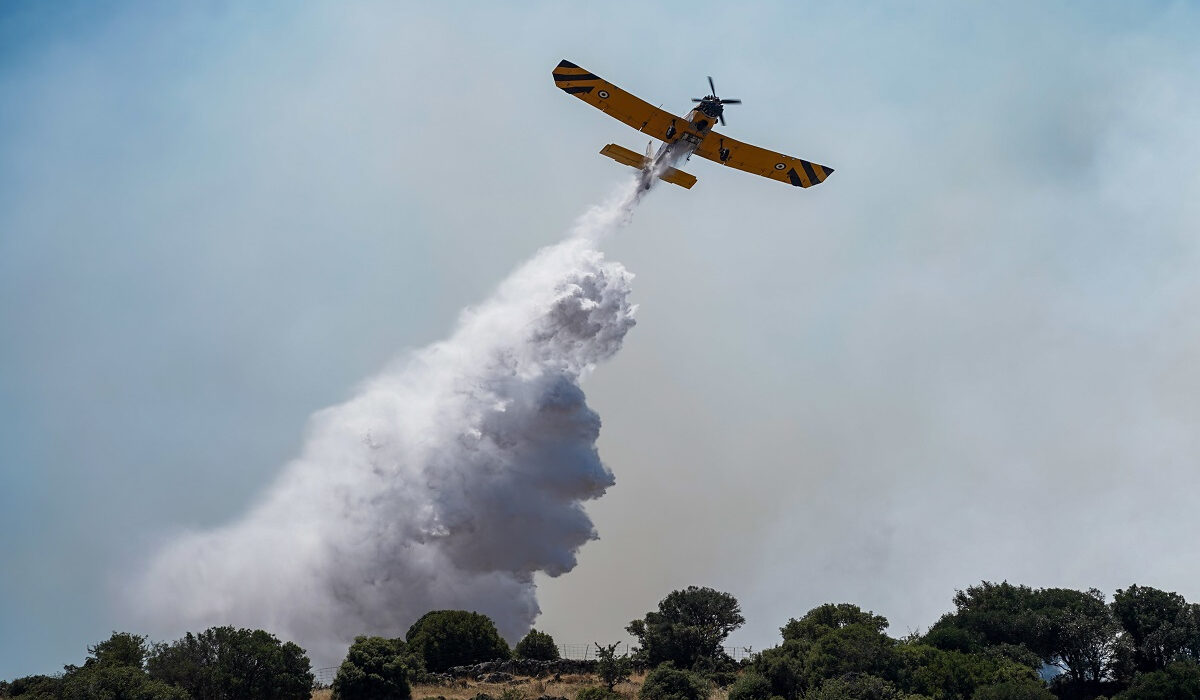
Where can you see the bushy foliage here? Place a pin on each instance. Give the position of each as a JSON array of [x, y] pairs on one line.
[[688, 628], [855, 686], [611, 668], [1161, 627], [224, 663], [114, 670], [999, 643], [114, 682], [853, 649], [121, 649], [538, 646], [1180, 680], [1014, 690], [448, 638], [751, 685], [828, 642], [826, 618], [34, 688], [784, 668], [670, 683], [1073, 630], [374, 669], [954, 674]]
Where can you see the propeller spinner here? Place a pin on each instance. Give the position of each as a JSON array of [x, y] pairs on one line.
[[716, 102]]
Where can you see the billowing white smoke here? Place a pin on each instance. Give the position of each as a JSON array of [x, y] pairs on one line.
[[447, 482]]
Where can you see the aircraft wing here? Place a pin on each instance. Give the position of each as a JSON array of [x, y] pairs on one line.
[[614, 101], [760, 161]]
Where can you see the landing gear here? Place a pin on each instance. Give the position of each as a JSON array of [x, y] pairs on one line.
[[671, 131]]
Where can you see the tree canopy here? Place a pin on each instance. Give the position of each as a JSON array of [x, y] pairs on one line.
[[448, 638], [374, 669], [536, 645], [227, 663], [688, 628]]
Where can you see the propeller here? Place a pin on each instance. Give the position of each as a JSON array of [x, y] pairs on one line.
[[713, 94]]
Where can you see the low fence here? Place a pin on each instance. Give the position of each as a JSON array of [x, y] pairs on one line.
[[588, 651]]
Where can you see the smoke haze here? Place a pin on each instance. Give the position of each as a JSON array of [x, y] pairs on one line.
[[447, 482]]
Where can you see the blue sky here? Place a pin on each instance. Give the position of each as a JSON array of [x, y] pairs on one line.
[[968, 355]]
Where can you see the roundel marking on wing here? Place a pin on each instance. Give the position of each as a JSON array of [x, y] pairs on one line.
[[603, 94], [780, 166]]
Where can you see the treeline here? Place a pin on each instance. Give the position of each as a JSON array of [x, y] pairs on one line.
[[1001, 642], [217, 664]]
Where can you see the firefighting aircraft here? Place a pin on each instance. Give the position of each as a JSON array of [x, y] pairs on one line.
[[681, 137]]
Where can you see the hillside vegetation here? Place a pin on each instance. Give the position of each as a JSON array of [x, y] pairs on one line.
[[1000, 642]]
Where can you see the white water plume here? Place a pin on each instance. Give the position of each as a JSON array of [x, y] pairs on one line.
[[447, 482]]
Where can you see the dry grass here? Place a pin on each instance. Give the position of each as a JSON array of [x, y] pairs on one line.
[[566, 686]]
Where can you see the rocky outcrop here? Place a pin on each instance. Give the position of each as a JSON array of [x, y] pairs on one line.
[[504, 670]]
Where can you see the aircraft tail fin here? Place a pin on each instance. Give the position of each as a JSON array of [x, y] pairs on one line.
[[625, 156]]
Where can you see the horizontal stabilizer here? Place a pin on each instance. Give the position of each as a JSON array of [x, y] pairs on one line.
[[678, 177], [624, 156]]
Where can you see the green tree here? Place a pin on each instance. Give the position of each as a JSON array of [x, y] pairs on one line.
[[113, 670], [1180, 680], [111, 681], [35, 688], [374, 669], [990, 613], [825, 618], [688, 628], [1073, 630], [1078, 633], [121, 649], [670, 683], [1162, 627], [751, 685], [784, 668], [947, 675], [855, 686], [448, 638], [538, 646], [1014, 690], [829, 641], [611, 668], [856, 648], [224, 663]]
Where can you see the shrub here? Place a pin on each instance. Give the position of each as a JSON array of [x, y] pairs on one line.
[[116, 682], [1178, 681], [669, 683], [611, 668], [688, 627], [1014, 690], [374, 669], [855, 686], [538, 646], [448, 638], [750, 686], [35, 688], [224, 662]]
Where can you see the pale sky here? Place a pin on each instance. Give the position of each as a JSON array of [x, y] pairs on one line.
[[971, 354]]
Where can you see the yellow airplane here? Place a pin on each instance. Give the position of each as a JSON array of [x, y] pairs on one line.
[[682, 137]]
